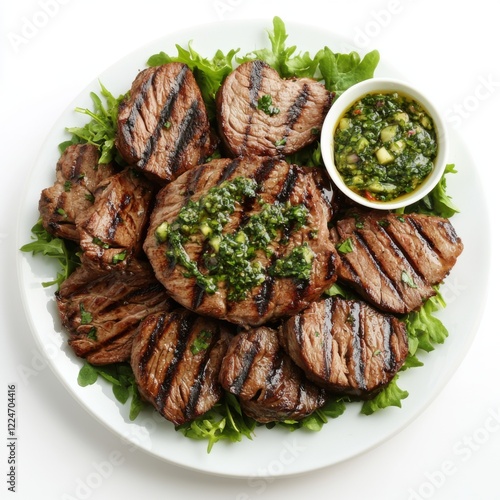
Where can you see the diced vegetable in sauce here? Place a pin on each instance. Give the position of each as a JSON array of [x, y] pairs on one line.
[[385, 145]]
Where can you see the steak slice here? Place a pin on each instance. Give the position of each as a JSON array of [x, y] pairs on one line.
[[271, 296], [176, 359], [112, 228], [269, 385], [102, 311], [163, 127], [260, 113], [393, 260], [78, 173], [346, 346]]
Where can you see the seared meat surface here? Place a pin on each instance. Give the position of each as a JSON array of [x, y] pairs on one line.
[[269, 385], [78, 173], [101, 311], [176, 359], [280, 186], [259, 113], [393, 260], [112, 228], [163, 127], [346, 346]]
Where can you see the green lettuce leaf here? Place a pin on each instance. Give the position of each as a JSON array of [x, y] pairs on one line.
[[341, 71], [437, 202], [424, 329], [392, 395]]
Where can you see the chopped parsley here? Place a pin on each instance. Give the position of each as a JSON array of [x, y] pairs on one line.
[[85, 316], [202, 342], [345, 246], [265, 103]]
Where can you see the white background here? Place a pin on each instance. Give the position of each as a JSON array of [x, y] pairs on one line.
[[452, 451]]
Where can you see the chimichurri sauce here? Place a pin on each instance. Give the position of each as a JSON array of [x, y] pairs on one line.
[[232, 258], [385, 145]]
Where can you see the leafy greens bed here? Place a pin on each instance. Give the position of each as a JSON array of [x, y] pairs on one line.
[[338, 71]]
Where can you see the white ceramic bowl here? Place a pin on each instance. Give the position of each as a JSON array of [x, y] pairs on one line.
[[344, 102]]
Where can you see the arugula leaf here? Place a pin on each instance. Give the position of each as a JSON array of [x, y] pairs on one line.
[[437, 202], [279, 56], [121, 376], [341, 71], [208, 73], [225, 421], [61, 250], [392, 395], [101, 129]]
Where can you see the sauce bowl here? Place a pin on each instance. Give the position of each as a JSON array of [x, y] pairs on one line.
[[383, 86]]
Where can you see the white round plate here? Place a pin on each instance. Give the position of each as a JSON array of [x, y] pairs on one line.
[[273, 452]]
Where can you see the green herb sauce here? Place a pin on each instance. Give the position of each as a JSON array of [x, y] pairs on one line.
[[385, 145], [232, 258]]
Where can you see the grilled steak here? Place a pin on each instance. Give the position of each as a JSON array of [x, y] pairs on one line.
[[111, 230], [102, 311], [176, 359], [78, 173], [346, 346], [261, 114], [163, 127], [394, 260], [267, 382], [268, 293]]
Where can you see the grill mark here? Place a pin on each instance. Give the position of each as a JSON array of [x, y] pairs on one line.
[[264, 171], [412, 258], [274, 375], [77, 165], [327, 338], [263, 298], [331, 264], [420, 230], [402, 252], [195, 391], [254, 84], [187, 131], [301, 399], [450, 232], [288, 184], [151, 345], [135, 110], [298, 328], [116, 220], [389, 360], [195, 175], [389, 281], [198, 295], [165, 113], [295, 110], [228, 170], [357, 350], [246, 364], [185, 327]]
